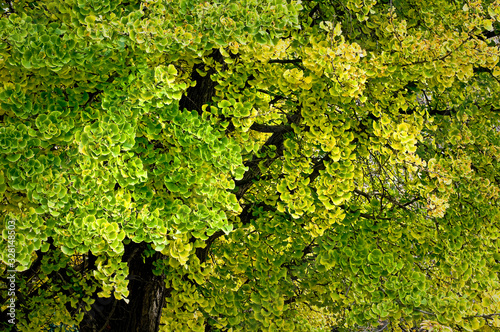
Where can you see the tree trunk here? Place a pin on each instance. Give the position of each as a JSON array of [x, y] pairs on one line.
[[147, 291], [146, 299]]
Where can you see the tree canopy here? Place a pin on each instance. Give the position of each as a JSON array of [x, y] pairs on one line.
[[251, 165]]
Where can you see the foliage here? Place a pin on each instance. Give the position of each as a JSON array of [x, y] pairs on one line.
[[61, 328], [277, 155]]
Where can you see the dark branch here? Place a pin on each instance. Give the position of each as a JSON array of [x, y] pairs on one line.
[[270, 129], [246, 216], [204, 90], [254, 171], [318, 166]]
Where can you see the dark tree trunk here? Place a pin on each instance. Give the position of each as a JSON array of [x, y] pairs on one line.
[[147, 291], [147, 294], [202, 93]]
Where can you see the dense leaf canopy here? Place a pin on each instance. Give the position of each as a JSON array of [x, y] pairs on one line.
[[277, 165]]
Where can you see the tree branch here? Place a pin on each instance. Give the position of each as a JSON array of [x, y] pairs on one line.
[[245, 216], [270, 129], [254, 172], [486, 316]]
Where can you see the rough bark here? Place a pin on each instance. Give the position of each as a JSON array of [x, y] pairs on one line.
[[147, 291], [204, 90], [147, 294]]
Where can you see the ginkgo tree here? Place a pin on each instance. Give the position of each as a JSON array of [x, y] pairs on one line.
[[245, 165]]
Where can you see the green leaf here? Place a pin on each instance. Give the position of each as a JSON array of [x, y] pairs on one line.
[[88, 220], [90, 19], [171, 70], [172, 187], [13, 157], [67, 251], [375, 256]]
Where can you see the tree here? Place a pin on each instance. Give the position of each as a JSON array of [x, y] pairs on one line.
[[236, 165]]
